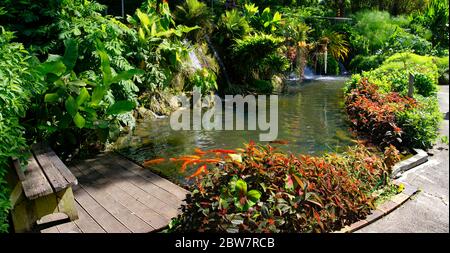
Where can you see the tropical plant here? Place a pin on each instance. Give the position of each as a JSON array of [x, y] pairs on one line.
[[259, 57], [204, 79], [19, 82], [159, 49], [232, 25], [79, 107], [195, 13], [260, 189], [374, 115], [435, 18], [421, 124]]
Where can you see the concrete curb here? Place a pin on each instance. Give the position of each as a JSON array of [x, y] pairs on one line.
[[419, 158], [383, 209]]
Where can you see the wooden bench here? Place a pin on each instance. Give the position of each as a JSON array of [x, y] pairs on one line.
[[42, 189]]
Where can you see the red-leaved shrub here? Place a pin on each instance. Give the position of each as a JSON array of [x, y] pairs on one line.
[[374, 114]]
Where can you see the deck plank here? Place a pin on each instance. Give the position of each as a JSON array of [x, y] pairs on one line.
[[69, 227], [106, 220], [147, 214], [165, 186], [86, 223], [132, 186], [117, 209], [114, 195]]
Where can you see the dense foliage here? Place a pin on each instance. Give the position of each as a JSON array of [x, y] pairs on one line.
[[72, 74], [19, 82], [263, 190], [379, 108]]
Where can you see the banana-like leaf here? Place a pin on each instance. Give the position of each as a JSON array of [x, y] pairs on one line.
[[120, 107], [126, 75], [79, 121], [98, 94], [70, 54], [71, 106], [51, 97], [105, 63], [54, 67], [82, 97]]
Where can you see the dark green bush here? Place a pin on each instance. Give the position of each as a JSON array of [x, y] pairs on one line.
[[19, 82], [365, 63], [257, 57], [425, 85], [421, 124]]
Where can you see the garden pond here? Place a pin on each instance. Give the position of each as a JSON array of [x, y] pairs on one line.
[[311, 120]]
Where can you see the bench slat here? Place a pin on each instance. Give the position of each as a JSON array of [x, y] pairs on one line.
[[57, 181], [65, 172], [35, 184]]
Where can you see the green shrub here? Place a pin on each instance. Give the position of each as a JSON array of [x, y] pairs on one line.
[[264, 190], [204, 79], [19, 82], [365, 63], [417, 125], [421, 124], [393, 74], [79, 108], [424, 85], [373, 29], [402, 41], [257, 57]]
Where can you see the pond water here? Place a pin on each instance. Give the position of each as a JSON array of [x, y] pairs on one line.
[[311, 119]]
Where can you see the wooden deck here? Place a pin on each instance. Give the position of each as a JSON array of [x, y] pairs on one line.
[[114, 195]]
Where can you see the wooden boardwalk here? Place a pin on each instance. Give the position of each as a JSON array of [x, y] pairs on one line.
[[114, 195]]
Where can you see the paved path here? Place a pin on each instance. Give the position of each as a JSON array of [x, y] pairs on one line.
[[114, 195], [428, 211]]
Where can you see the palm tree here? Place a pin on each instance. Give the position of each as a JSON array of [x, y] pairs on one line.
[[330, 42]]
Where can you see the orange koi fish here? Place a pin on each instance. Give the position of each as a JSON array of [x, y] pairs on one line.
[[186, 163], [154, 161], [223, 151], [199, 151], [189, 157], [211, 160], [199, 171]]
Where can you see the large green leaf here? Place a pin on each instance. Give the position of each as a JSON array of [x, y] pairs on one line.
[[126, 75], [241, 187], [121, 107], [79, 121], [54, 67], [51, 97], [71, 106], [253, 197], [70, 54], [82, 97], [105, 63], [98, 94]]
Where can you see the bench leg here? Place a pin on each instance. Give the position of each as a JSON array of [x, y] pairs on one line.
[[66, 203], [21, 217]]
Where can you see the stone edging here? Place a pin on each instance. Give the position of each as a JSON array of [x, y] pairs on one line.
[[383, 209], [419, 157]]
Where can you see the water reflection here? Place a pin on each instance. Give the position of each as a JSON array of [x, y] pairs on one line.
[[311, 119]]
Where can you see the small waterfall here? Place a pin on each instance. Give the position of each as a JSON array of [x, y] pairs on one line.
[[194, 60], [343, 69], [308, 74], [219, 60]]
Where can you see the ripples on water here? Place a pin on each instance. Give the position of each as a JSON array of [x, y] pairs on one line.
[[311, 118]]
